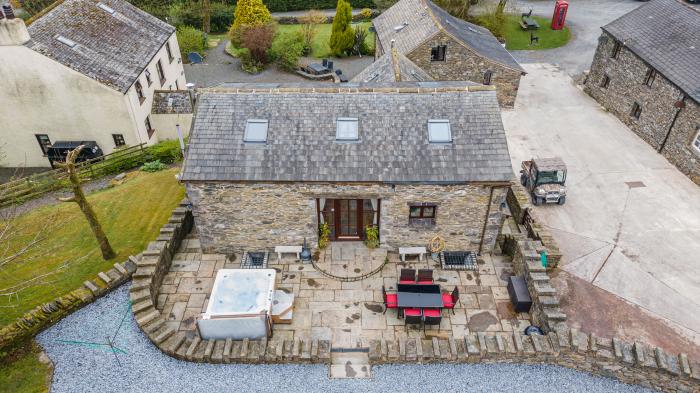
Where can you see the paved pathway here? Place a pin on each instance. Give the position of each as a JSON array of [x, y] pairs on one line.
[[585, 18], [638, 241], [137, 366]]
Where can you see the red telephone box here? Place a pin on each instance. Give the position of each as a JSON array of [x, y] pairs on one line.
[[559, 16]]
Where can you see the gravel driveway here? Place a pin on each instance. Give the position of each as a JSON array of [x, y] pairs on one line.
[[84, 367]]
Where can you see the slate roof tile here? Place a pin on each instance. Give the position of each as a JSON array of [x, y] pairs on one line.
[[666, 34], [393, 144]]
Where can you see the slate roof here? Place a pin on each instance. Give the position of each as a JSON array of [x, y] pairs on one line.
[[393, 138], [666, 34], [384, 70], [422, 19], [171, 102], [112, 49]]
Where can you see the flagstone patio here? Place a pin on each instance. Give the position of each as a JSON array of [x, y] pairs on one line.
[[346, 312]]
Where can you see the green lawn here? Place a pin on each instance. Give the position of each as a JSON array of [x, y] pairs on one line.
[[23, 372], [319, 47], [131, 215], [517, 38]]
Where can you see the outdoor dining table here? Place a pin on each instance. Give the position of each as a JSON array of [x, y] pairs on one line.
[[419, 296], [318, 68]]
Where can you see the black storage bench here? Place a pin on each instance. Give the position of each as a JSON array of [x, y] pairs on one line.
[[519, 294]]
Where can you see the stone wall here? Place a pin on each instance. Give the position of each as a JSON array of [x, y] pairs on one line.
[[233, 217], [635, 363], [627, 75], [30, 324], [463, 63]]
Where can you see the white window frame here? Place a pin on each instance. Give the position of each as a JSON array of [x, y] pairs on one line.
[[250, 136], [434, 138], [347, 132], [696, 142]]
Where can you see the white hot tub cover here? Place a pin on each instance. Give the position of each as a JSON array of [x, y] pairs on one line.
[[241, 292]]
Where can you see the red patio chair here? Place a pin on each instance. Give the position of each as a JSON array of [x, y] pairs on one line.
[[449, 300], [431, 316], [425, 276], [391, 300], [408, 276]]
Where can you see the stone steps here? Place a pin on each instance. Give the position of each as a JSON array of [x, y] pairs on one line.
[[350, 365]]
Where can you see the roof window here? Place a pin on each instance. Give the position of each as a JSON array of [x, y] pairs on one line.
[[346, 129], [106, 8], [439, 131], [256, 131], [65, 41]]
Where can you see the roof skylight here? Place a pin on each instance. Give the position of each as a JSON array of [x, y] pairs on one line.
[[256, 131], [439, 131], [106, 8], [65, 41], [346, 129]]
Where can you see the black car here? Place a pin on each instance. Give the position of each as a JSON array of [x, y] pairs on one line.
[[59, 150]]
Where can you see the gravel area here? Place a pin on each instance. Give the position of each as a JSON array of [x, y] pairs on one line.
[[82, 365]]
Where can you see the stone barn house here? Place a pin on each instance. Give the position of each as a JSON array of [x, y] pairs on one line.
[[267, 165], [646, 71], [447, 48], [83, 70]]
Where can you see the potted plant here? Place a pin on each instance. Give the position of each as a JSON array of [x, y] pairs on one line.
[[372, 236], [324, 234]]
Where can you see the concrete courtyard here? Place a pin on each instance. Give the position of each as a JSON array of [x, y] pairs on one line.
[[631, 223]]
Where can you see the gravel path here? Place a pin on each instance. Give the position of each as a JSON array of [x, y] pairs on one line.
[[84, 367]]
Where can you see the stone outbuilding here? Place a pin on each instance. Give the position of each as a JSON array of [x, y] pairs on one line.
[[414, 159], [447, 48], [646, 71]]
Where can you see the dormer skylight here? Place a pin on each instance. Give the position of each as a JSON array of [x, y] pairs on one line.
[[66, 41], [255, 131], [439, 131], [106, 8], [346, 129]]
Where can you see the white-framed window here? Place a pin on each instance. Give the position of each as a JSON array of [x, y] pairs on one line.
[[696, 141], [255, 131], [346, 129], [439, 131]]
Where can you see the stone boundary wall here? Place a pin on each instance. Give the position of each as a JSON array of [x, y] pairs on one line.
[[518, 200], [154, 265], [41, 317], [635, 363]]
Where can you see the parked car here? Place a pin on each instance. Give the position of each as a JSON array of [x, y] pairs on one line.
[[59, 150]]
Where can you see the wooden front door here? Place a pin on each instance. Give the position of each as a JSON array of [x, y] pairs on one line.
[[348, 218]]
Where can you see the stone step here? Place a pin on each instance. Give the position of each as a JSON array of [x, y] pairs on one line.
[[163, 334], [353, 365], [153, 326]]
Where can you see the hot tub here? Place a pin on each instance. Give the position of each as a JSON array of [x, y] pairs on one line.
[[239, 306]]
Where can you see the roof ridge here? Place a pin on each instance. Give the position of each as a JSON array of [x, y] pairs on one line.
[[349, 90], [395, 62]]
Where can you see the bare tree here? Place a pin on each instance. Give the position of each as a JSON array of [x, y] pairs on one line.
[[206, 16], [79, 198]]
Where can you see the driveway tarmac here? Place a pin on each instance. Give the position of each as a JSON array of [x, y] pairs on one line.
[[631, 223]]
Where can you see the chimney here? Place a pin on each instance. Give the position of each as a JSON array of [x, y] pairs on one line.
[[13, 31]]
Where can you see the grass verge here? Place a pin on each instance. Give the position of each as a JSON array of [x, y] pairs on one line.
[[519, 39], [22, 372], [131, 215]]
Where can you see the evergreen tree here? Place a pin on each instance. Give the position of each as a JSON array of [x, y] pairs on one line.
[[249, 13], [342, 34]]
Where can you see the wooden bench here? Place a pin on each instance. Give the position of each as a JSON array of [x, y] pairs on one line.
[[287, 250], [420, 251]]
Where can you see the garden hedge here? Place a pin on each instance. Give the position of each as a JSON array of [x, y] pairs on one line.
[[297, 5]]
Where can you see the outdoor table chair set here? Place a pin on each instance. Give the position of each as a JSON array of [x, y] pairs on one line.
[[418, 300]]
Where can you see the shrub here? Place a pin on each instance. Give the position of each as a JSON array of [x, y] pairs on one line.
[[366, 14], [248, 64], [167, 152], [342, 35], [324, 234], [309, 26], [360, 41], [287, 49], [258, 40], [153, 166], [249, 13], [190, 40]]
